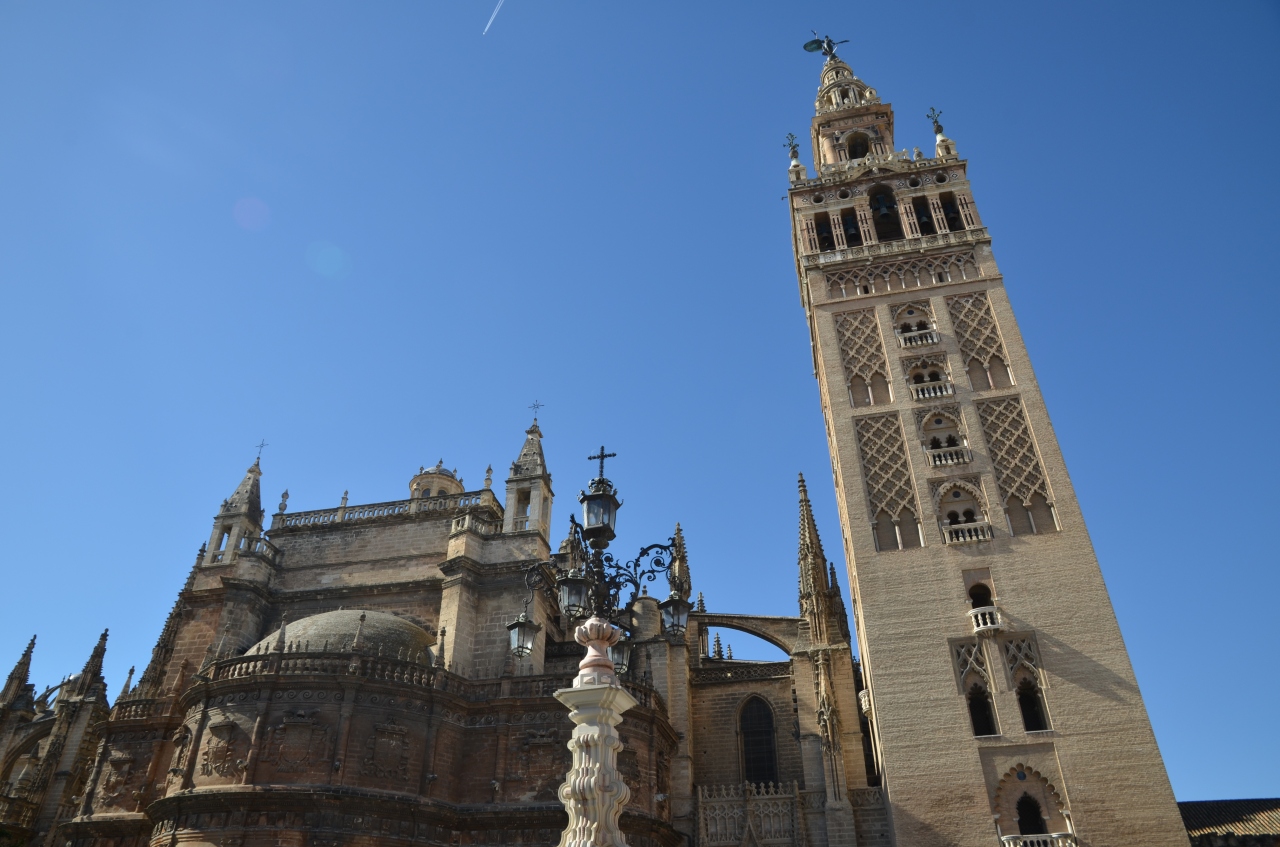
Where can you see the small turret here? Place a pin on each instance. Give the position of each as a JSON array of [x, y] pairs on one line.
[[944, 148], [240, 517], [529, 495]]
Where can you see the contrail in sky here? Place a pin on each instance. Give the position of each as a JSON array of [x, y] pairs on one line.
[[491, 17]]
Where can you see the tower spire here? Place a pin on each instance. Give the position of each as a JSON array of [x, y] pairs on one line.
[[815, 594], [92, 673], [19, 676], [678, 577]]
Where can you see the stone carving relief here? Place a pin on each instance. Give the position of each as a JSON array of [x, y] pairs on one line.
[[388, 751], [298, 743], [885, 465], [1021, 653], [1013, 453], [221, 752], [118, 779], [970, 660], [861, 349], [976, 329]]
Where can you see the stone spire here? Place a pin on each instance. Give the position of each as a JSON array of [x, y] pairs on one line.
[[678, 578], [19, 676], [247, 498], [814, 587], [92, 673], [530, 462]]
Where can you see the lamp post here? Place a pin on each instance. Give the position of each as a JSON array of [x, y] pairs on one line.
[[590, 587]]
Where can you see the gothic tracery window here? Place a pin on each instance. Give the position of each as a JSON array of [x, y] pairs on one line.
[[759, 755]]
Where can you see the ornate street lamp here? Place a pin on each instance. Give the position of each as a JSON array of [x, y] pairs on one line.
[[589, 583], [523, 632]]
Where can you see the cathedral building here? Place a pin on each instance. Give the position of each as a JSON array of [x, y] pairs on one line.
[[346, 677]]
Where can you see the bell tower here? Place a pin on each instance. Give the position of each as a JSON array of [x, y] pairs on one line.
[[1001, 700]]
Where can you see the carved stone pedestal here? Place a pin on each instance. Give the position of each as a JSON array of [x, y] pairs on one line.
[[593, 792]]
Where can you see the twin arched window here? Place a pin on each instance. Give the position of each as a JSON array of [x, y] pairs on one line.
[[759, 754]]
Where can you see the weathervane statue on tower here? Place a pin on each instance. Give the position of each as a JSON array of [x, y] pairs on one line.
[[823, 44]]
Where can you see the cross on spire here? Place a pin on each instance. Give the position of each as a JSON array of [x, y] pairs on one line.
[[260, 445], [535, 405], [601, 456]]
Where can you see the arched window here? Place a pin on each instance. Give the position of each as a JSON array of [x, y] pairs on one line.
[[884, 214], [1032, 707], [759, 758], [981, 713], [980, 595], [1030, 818], [858, 145]]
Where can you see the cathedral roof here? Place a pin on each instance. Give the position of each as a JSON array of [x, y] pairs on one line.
[[352, 629]]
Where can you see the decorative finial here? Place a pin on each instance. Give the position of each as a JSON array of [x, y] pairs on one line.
[[702, 606], [793, 146], [260, 445], [601, 456], [933, 115], [730, 652], [488, 477], [535, 405], [284, 500], [717, 651], [344, 499]]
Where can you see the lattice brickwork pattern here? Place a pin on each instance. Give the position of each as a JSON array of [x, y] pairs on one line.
[[1021, 653], [969, 659], [907, 273], [885, 465], [976, 328], [1018, 470], [860, 346]]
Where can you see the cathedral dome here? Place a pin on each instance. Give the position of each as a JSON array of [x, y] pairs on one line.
[[379, 632], [436, 481]]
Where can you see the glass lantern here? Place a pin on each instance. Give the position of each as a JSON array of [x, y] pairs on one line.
[[620, 655], [675, 614], [599, 513], [523, 632], [575, 595]]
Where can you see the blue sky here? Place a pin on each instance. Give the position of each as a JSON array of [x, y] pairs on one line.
[[373, 237]]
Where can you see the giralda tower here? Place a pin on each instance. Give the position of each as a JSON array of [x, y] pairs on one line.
[[998, 689]]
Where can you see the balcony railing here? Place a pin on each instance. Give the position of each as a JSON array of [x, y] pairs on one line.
[[985, 619], [1057, 839], [946, 456], [391, 509], [931, 390], [889, 248], [966, 533], [919, 338]]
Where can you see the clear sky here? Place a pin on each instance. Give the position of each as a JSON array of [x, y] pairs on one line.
[[372, 236]]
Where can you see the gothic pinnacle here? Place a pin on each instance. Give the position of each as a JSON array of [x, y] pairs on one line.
[[19, 676]]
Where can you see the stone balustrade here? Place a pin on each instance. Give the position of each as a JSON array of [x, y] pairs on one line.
[[947, 456], [966, 533], [390, 509], [931, 390], [403, 671], [985, 619], [129, 710], [1057, 839], [773, 813], [890, 248], [919, 338]]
